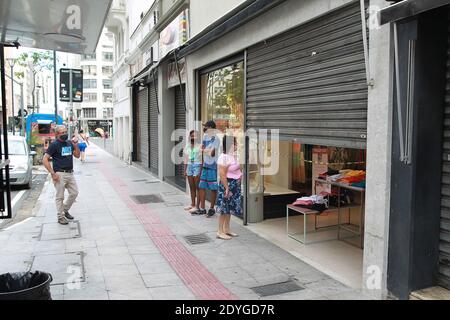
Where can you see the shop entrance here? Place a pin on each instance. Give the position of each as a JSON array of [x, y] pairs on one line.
[[332, 227]]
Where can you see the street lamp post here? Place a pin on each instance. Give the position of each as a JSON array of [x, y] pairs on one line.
[[12, 62]]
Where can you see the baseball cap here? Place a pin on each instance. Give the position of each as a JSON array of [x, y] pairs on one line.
[[210, 124]]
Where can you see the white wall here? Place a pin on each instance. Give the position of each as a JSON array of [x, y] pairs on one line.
[[205, 12]]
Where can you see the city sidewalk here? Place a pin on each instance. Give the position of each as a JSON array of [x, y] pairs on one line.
[[129, 242]]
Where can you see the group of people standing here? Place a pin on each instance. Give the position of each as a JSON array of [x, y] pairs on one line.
[[221, 174]]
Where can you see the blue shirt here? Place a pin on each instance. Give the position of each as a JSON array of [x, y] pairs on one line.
[[210, 143], [62, 155]]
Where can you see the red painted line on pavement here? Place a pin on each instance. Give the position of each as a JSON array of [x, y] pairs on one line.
[[202, 283]]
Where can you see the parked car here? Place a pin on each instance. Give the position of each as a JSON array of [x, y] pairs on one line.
[[21, 161]]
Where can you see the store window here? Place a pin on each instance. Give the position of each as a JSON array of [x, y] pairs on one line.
[[222, 96]]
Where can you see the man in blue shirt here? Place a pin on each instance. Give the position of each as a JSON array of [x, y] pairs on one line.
[[208, 178], [62, 152]]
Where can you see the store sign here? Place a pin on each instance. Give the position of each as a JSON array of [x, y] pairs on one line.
[[173, 77], [175, 34], [71, 85]]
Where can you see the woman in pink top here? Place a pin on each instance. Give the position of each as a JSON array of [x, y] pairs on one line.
[[229, 196]]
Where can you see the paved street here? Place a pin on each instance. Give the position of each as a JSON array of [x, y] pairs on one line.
[[119, 248]]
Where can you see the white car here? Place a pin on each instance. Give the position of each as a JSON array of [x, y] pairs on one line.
[[21, 161]]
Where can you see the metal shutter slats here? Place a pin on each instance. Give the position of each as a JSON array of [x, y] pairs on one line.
[[310, 82], [444, 245], [143, 126], [154, 132], [180, 121]]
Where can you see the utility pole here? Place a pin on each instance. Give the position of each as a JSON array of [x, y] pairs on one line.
[[55, 85], [12, 62]]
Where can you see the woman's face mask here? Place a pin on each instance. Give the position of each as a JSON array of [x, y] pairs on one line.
[[64, 137]]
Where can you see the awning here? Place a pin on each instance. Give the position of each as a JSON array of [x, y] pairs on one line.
[[71, 26], [408, 8], [143, 74]]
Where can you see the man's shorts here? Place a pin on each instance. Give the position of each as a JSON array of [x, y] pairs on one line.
[[208, 180]]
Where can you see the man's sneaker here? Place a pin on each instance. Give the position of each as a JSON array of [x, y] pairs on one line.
[[211, 212], [68, 215], [199, 212], [63, 221]]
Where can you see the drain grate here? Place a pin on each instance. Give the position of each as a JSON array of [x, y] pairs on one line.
[[147, 198], [277, 288], [197, 239]]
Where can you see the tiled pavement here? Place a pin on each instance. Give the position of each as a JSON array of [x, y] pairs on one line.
[[119, 249]]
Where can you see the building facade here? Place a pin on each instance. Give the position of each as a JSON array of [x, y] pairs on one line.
[[318, 77], [96, 110]]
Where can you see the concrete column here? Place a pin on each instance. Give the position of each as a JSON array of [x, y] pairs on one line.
[[126, 140], [166, 124], [379, 137], [116, 137]]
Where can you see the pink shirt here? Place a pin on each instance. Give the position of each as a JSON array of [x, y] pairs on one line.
[[234, 169]]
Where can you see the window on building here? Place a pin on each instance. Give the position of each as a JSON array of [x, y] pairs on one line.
[[107, 84], [107, 70], [108, 56], [90, 84], [107, 97], [90, 97], [89, 56], [108, 113], [90, 70], [90, 113]]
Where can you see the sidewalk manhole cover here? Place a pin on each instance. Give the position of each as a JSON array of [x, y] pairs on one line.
[[197, 239], [277, 288], [147, 198], [65, 268]]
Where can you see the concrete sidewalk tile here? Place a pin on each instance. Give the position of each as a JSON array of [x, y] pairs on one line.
[[115, 259], [137, 241], [130, 294], [112, 250], [57, 290], [151, 263], [50, 247], [119, 270], [305, 294], [171, 293], [143, 249], [80, 244], [116, 283], [162, 280], [328, 287]]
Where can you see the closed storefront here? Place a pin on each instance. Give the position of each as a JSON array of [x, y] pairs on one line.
[[153, 139], [444, 238], [143, 129], [180, 122], [310, 82]]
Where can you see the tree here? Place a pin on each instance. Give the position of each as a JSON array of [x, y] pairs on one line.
[[42, 60]]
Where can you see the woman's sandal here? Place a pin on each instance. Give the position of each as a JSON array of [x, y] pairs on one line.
[[223, 236], [232, 234], [188, 208]]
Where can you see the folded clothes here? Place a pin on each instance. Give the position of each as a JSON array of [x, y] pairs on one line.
[[361, 184]]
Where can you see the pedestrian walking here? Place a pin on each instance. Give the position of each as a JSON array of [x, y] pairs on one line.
[[229, 198], [208, 178], [83, 144], [192, 169], [62, 151]]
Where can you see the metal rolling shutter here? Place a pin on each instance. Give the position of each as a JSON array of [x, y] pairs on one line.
[[154, 148], [444, 246], [180, 122], [310, 82], [143, 126]]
